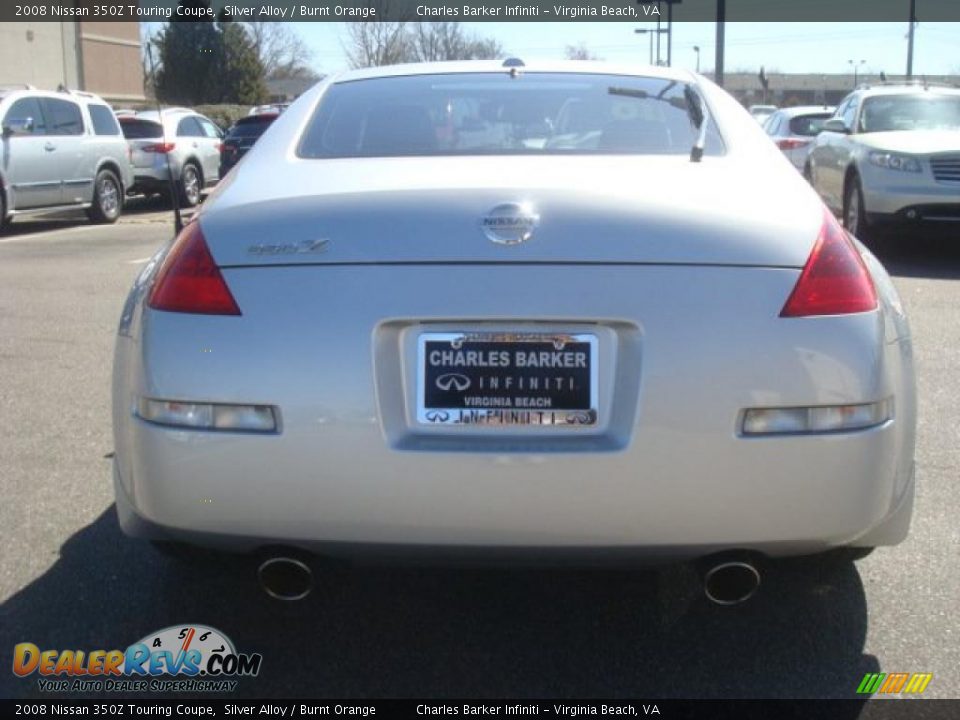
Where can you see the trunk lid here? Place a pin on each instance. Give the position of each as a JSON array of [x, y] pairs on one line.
[[660, 210]]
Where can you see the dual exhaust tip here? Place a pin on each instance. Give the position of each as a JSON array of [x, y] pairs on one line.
[[285, 578], [725, 583], [731, 582]]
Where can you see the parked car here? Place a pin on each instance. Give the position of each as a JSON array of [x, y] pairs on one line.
[[276, 108], [551, 308], [760, 113], [793, 130], [891, 155], [241, 137], [177, 141], [60, 151]]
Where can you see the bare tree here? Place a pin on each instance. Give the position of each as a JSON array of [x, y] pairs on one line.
[[389, 43], [282, 52], [377, 43], [433, 41], [579, 52]]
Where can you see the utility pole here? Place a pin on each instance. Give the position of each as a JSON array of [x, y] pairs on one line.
[[696, 49], [658, 33], [669, 33], [721, 26], [913, 22]]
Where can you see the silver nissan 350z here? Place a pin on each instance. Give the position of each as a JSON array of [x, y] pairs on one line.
[[560, 308]]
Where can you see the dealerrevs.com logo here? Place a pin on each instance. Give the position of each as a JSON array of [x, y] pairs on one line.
[[181, 658]]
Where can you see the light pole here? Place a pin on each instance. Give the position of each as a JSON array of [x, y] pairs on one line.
[[696, 49], [856, 67], [651, 32]]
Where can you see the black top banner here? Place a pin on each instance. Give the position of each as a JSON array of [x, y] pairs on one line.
[[480, 10]]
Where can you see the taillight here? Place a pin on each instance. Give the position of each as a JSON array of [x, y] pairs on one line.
[[189, 280], [835, 280], [791, 143], [161, 148]]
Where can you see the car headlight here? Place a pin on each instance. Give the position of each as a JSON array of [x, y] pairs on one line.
[[893, 161]]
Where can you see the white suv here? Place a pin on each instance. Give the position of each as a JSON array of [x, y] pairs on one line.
[[177, 141], [60, 150], [890, 155]]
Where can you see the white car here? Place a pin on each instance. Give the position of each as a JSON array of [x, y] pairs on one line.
[[890, 156], [176, 141], [760, 113], [793, 130], [555, 308]]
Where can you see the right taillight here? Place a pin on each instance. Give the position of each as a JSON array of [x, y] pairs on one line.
[[162, 147], [189, 280], [835, 280]]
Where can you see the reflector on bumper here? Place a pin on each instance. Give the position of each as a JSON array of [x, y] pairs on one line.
[[208, 416], [829, 418]]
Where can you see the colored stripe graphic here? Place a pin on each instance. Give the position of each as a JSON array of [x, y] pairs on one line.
[[918, 683], [870, 683], [894, 683]]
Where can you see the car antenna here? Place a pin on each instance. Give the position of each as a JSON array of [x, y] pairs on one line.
[[174, 190]]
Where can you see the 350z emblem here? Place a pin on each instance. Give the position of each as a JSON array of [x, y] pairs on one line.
[[299, 248]]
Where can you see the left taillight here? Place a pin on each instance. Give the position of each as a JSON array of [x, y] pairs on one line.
[[189, 280], [835, 280], [791, 143]]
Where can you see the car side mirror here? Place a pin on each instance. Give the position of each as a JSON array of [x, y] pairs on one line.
[[18, 127], [835, 125]]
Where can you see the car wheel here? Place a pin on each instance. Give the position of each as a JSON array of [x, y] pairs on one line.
[[190, 184], [854, 214], [107, 198]]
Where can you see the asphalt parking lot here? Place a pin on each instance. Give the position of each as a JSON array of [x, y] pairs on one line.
[[69, 579]]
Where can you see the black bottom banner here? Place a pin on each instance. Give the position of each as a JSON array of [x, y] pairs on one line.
[[886, 709]]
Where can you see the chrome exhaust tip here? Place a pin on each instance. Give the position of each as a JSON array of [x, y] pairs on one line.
[[285, 578], [731, 583]]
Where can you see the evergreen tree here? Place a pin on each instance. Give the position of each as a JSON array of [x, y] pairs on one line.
[[202, 61]]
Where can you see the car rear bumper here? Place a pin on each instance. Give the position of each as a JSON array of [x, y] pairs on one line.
[[664, 472]]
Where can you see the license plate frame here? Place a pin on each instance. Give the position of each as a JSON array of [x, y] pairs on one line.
[[538, 396]]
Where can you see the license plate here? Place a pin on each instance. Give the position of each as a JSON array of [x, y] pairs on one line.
[[543, 379]]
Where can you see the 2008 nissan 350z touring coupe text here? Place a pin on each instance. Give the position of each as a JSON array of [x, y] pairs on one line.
[[564, 308]]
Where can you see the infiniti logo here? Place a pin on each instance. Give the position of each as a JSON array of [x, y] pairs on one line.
[[510, 223], [438, 416], [453, 380]]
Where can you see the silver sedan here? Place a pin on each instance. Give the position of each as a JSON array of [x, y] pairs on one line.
[[564, 308]]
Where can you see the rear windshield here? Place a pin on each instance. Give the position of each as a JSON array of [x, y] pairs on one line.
[[496, 114], [136, 129], [808, 125], [250, 127]]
